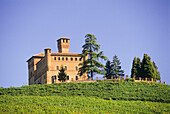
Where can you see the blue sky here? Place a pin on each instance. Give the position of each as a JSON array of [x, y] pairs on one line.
[[127, 28]]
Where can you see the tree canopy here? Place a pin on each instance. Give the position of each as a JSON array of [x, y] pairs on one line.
[[91, 65], [62, 74]]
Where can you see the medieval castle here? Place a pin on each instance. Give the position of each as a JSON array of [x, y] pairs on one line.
[[43, 68]]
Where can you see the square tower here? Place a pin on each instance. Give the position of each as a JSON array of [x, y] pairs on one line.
[[63, 45]]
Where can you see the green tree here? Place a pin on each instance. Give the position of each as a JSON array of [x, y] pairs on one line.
[[109, 70], [156, 70], [117, 67], [134, 67], [91, 65], [147, 68], [62, 74], [138, 67]]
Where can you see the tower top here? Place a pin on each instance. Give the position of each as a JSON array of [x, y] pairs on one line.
[[63, 45]]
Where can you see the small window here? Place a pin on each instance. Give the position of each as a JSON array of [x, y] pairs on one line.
[[67, 77], [76, 68], [63, 58], [76, 77], [71, 59], [75, 59], [54, 58], [66, 59], [65, 67], [57, 67], [63, 40], [66, 41], [59, 58], [79, 59]]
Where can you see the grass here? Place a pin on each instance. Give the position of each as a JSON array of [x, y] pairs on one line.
[[78, 104], [97, 97]]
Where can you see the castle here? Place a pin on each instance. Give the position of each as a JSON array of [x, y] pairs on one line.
[[43, 68]]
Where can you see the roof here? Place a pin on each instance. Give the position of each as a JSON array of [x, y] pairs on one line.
[[64, 38], [40, 55], [66, 54]]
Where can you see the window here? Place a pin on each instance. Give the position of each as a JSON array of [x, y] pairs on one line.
[[63, 58], [76, 77], [66, 59], [66, 41], [67, 77], [57, 67], [59, 58], [53, 78], [65, 67], [54, 58], [63, 40], [71, 59], [75, 59], [76, 68], [79, 59]]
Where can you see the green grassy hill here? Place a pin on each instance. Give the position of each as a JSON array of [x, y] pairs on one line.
[[106, 96]]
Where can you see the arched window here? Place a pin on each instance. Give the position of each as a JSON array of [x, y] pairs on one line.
[[76, 77], [67, 77], [75, 59], [65, 67], [59, 58], [54, 58], [79, 59], [76, 68], [66, 59], [63, 58], [57, 67], [71, 59]]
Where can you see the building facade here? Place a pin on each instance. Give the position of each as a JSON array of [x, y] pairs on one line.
[[43, 68]]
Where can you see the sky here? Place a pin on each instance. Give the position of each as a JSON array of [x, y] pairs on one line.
[[127, 28]]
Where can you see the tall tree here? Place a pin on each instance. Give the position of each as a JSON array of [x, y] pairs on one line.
[[62, 74], [138, 67], [156, 70], [134, 68], [92, 64], [109, 70], [147, 68], [117, 67]]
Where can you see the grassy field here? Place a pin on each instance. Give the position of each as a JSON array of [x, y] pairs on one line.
[[78, 104], [97, 97]]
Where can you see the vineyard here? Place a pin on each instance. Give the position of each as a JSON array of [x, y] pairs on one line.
[[106, 96]]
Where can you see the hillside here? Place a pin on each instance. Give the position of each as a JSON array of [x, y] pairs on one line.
[[87, 98]]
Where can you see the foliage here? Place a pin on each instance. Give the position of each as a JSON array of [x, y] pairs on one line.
[[156, 70], [62, 74], [76, 105], [147, 68], [92, 64], [109, 70], [134, 69], [116, 67], [143, 91], [138, 67]]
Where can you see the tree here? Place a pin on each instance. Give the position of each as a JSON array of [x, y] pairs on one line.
[[147, 68], [156, 70], [138, 67], [116, 67], [134, 68], [91, 64], [109, 70], [62, 74]]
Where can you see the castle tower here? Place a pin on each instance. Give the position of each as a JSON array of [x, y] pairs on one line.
[[63, 45]]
